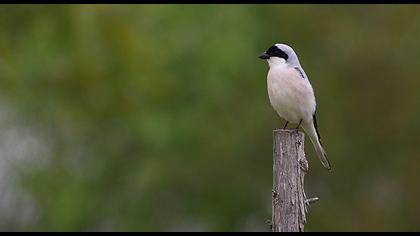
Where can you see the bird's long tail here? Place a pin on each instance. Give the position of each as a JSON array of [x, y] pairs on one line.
[[311, 130]]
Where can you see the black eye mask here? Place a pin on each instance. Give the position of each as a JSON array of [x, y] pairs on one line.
[[274, 51]]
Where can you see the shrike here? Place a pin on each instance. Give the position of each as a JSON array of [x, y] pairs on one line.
[[291, 94]]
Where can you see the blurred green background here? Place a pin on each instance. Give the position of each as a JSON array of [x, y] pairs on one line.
[[156, 117]]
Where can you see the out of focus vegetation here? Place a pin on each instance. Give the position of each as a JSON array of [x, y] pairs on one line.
[[156, 117]]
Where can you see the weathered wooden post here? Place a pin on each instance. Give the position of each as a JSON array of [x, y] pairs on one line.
[[289, 168]]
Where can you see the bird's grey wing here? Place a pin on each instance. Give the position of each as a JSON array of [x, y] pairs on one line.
[[301, 73]]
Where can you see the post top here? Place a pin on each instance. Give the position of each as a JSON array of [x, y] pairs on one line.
[[290, 131]]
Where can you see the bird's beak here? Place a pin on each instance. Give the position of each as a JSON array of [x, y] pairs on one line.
[[264, 56]]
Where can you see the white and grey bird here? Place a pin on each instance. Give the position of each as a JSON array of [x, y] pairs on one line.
[[291, 94]]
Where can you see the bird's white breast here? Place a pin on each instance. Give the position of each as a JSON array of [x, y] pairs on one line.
[[290, 95]]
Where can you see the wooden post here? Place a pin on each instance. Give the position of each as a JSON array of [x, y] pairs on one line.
[[289, 168]]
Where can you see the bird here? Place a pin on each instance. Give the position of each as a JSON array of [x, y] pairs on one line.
[[291, 94]]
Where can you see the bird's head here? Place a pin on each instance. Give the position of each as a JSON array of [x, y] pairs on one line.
[[280, 53]]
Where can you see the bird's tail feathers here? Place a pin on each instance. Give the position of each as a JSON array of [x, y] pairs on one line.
[[312, 131]]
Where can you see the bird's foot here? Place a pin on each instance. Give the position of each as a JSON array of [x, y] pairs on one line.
[[297, 128]]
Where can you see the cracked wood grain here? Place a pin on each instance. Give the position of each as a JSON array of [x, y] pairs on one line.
[[289, 167]]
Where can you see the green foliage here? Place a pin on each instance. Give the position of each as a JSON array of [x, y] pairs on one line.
[[157, 116]]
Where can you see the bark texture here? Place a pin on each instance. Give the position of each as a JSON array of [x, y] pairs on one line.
[[289, 168]]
